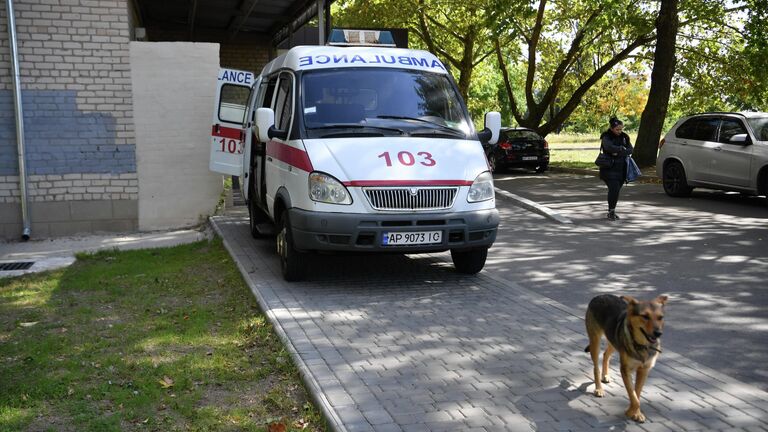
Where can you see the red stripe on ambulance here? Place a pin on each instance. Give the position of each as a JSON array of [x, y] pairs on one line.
[[290, 155], [226, 132], [380, 183]]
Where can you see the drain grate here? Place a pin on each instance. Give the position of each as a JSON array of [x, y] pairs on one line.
[[19, 265]]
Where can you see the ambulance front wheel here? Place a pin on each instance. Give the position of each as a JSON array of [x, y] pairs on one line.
[[292, 262], [469, 262]]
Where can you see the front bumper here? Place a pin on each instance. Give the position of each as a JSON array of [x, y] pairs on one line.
[[320, 231]]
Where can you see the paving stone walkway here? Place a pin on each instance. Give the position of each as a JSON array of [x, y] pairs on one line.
[[397, 343]]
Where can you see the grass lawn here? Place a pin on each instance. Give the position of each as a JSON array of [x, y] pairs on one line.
[[150, 340], [573, 158], [567, 150], [579, 140]]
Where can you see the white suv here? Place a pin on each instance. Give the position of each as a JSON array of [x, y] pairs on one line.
[[726, 151]]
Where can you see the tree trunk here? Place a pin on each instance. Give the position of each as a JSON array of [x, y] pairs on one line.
[[465, 77], [655, 112]]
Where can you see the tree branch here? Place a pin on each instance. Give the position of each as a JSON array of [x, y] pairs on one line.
[[532, 53], [576, 97], [426, 36], [507, 84], [560, 71], [482, 57]]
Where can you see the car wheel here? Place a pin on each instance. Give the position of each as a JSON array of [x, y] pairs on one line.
[[292, 262], [541, 168], [492, 162], [765, 186], [675, 183], [469, 262], [256, 216]]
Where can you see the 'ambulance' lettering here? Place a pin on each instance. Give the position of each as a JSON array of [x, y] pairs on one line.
[[238, 77], [322, 59]]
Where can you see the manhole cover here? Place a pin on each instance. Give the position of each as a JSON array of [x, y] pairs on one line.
[[20, 265]]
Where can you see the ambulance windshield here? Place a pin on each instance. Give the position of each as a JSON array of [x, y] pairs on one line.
[[415, 102]]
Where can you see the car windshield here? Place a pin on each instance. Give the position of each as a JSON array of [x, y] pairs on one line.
[[383, 100], [759, 127]]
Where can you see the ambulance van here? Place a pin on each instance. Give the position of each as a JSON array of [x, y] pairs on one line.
[[361, 149]]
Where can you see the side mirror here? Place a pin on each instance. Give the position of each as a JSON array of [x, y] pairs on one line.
[[274, 132], [740, 139], [490, 134], [265, 120]]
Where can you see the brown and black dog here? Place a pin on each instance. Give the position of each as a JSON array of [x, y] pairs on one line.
[[633, 328]]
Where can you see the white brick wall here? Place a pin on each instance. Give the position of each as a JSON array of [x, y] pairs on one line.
[[174, 88], [71, 187]]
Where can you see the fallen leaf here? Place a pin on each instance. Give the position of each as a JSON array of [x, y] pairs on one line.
[[166, 382], [70, 391], [276, 427]]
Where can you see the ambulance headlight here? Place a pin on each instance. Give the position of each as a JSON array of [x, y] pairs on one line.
[[482, 188], [326, 189]]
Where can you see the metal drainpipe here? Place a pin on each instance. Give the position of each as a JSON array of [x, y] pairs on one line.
[[16, 77]]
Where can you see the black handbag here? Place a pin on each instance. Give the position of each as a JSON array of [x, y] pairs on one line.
[[603, 160]]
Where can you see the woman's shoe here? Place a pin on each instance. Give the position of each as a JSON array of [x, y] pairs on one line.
[[612, 216]]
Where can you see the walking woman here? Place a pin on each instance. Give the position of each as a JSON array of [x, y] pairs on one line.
[[615, 143]]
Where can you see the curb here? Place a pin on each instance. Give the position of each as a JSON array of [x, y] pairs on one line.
[[534, 207], [596, 173], [310, 381]]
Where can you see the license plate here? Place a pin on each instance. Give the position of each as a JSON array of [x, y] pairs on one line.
[[411, 238], [530, 158]]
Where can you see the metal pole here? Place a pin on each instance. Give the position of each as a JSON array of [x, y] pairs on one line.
[[16, 77]]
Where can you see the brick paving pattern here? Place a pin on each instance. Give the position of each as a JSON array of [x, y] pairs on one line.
[[396, 343]]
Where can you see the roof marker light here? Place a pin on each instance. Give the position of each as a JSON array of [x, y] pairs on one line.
[[352, 37]]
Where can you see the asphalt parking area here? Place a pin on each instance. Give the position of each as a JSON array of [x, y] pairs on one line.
[[709, 253], [397, 343]]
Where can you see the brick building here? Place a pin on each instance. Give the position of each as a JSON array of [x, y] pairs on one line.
[[93, 162]]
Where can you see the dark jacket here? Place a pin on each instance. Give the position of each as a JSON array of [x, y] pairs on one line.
[[618, 147]]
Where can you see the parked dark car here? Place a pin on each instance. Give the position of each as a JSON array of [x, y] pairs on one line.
[[518, 148]]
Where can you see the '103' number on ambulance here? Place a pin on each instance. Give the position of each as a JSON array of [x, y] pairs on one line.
[[406, 158], [231, 146]]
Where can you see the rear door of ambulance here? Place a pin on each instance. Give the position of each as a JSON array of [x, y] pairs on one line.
[[227, 131]]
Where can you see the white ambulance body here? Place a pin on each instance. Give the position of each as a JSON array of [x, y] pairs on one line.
[[357, 149]]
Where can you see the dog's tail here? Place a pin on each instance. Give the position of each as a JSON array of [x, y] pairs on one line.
[[586, 349]]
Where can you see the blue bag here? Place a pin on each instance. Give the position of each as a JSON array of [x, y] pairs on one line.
[[633, 171]]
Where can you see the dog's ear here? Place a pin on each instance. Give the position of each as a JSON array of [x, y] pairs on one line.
[[661, 299], [630, 300]]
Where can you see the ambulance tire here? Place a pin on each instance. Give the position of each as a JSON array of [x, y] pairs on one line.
[[292, 262], [469, 262]]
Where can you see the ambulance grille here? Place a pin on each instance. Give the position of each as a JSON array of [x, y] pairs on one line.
[[406, 199]]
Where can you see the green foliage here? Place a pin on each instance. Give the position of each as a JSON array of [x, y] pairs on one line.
[[713, 69], [756, 50], [578, 67], [566, 47], [621, 94]]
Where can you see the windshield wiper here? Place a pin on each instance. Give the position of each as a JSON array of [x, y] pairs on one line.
[[453, 131], [356, 126]]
